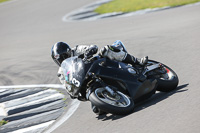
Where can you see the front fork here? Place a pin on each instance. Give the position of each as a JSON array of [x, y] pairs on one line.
[[95, 80]]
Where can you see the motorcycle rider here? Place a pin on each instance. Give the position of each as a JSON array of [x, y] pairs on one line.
[[116, 51]]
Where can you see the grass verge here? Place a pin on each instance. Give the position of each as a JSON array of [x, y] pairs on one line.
[[3, 0], [134, 5], [3, 122]]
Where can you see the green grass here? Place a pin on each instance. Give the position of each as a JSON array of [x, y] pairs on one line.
[[134, 5], [3, 0], [3, 122]]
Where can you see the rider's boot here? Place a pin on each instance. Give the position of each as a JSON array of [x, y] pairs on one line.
[[132, 60], [97, 111], [142, 61]]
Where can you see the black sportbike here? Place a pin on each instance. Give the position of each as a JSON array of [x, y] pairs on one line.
[[114, 87]]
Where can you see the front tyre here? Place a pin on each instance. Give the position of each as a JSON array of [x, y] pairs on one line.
[[120, 104]]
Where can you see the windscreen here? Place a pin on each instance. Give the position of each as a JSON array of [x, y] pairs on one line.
[[73, 69]]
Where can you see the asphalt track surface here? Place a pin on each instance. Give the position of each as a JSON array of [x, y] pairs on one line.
[[29, 28]]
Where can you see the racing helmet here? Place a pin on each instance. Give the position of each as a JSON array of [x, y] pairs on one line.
[[60, 51]]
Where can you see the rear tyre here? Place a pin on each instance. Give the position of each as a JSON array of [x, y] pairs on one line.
[[120, 104], [167, 82]]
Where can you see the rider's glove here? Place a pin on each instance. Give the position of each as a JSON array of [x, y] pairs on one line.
[[112, 53], [90, 52]]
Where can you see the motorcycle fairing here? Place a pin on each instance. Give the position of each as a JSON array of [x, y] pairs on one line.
[[74, 71], [104, 69]]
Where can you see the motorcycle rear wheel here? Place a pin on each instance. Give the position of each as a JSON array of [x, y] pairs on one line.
[[120, 104], [168, 81]]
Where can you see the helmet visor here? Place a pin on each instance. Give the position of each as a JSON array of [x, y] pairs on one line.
[[61, 58]]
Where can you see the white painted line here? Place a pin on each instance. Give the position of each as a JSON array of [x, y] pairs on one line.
[[3, 113], [34, 128], [72, 108], [34, 86], [1, 90]]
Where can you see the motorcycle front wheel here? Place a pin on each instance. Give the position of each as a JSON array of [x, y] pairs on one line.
[[119, 104]]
